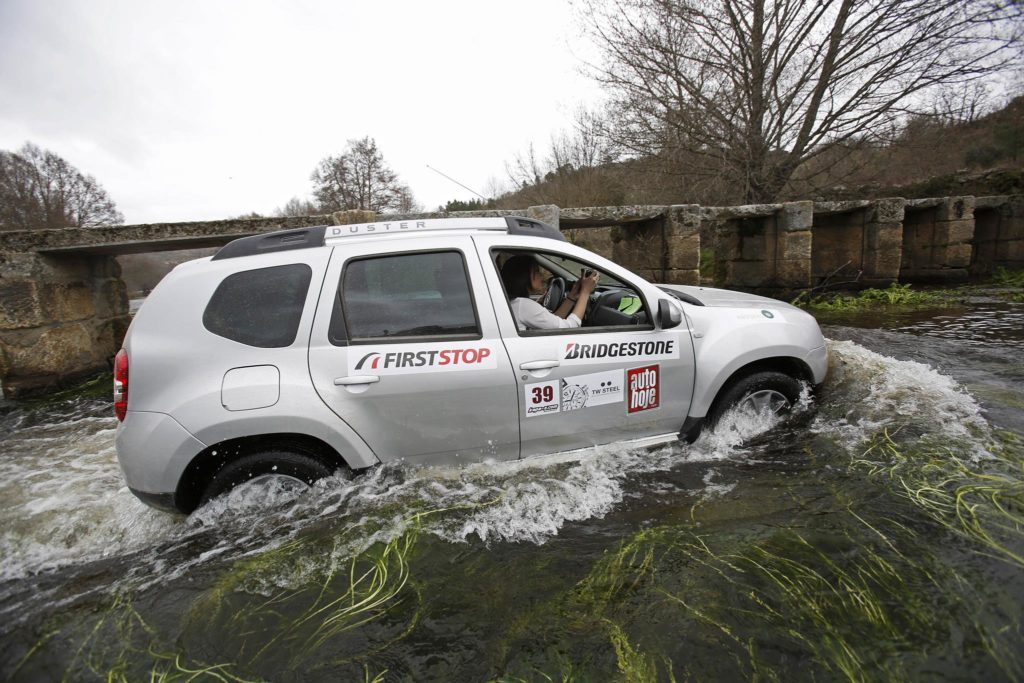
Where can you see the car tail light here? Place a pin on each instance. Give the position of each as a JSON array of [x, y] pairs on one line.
[[121, 384]]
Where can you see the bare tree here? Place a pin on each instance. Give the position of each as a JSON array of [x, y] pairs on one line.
[[297, 207], [751, 90], [358, 179], [576, 171], [39, 189]]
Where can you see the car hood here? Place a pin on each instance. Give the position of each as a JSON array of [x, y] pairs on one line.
[[709, 296]]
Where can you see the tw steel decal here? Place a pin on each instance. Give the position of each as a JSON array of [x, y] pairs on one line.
[[573, 393], [644, 388], [585, 391], [434, 358], [577, 352]]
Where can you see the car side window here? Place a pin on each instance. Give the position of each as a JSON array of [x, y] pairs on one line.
[[260, 307], [404, 296], [613, 304]]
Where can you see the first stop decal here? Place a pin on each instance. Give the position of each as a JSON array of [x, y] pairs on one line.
[[644, 388], [422, 358]]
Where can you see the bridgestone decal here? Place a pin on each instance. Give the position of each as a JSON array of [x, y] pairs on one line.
[[591, 352]]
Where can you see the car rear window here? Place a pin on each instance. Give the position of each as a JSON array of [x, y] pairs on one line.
[[260, 307], [407, 295]]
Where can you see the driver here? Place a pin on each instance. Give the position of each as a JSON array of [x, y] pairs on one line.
[[525, 286]]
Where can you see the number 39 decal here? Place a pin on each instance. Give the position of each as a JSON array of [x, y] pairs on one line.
[[544, 394]]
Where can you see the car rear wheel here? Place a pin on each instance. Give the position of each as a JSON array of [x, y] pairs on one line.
[[764, 391], [296, 469]]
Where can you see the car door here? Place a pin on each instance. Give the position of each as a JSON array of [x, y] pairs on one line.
[[592, 385], [406, 350]]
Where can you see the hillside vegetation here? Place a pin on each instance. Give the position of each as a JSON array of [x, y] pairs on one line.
[[928, 157]]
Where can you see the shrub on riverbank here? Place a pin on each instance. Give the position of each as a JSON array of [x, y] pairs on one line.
[[893, 295]]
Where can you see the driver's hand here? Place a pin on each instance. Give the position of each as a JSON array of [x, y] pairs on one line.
[[587, 284]]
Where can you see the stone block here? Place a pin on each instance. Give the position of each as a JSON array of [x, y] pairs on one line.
[[883, 236], [66, 302], [794, 246], [796, 216], [684, 251], [887, 210], [546, 213], [795, 274], [59, 351], [105, 267], [356, 216], [958, 255], [684, 218], [956, 232], [111, 299], [955, 209], [884, 264], [16, 265], [1009, 253], [613, 215], [20, 304]]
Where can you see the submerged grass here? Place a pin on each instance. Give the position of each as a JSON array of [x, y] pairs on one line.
[[877, 585], [251, 629], [981, 499]]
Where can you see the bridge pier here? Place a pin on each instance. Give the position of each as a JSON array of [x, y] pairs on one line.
[[60, 318], [762, 248]]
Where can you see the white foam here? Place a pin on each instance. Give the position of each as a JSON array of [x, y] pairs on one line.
[[876, 392]]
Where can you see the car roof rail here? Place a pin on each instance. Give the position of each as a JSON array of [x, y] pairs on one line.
[[282, 240], [321, 235], [528, 226]]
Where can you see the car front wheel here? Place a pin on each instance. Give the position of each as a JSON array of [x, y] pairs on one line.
[[767, 391]]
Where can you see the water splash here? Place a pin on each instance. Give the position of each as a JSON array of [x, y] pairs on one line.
[[63, 500]]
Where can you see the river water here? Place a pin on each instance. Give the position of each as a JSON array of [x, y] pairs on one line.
[[878, 534]]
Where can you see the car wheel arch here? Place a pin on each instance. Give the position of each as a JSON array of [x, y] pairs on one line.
[[794, 367], [204, 466]]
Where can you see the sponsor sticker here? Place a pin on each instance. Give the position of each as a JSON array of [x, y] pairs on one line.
[[412, 359], [644, 388], [654, 347], [542, 398], [574, 393], [595, 389]]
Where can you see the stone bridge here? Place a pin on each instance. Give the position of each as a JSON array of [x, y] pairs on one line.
[[64, 307]]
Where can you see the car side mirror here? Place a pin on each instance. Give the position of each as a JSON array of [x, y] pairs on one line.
[[669, 316]]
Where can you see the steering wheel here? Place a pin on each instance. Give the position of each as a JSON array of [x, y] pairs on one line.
[[555, 294]]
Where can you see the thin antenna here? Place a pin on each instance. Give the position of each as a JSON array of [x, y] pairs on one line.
[[457, 182]]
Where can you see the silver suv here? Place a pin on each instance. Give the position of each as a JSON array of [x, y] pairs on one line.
[[296, 353]]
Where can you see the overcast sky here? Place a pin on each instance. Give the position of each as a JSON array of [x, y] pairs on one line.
[[200, 110]]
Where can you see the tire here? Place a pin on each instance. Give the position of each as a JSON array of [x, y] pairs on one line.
[[767, 389], [298, 466]]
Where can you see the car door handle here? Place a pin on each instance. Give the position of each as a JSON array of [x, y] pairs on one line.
[[355, 379], [540, 365]]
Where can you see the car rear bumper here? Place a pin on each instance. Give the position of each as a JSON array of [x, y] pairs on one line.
[[154, 450]]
